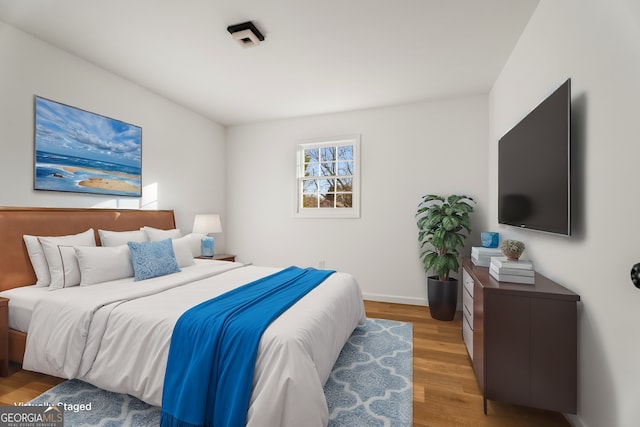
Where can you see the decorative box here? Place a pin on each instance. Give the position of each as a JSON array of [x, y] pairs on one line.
[[489, 239]]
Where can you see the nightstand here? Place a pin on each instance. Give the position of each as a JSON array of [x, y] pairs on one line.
[[220, 257], [4, 337]]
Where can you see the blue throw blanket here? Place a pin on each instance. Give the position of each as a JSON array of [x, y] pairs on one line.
[[214, 347]]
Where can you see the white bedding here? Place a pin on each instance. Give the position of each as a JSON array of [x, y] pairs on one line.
[[116, 336], [22, 300], [21, 303]]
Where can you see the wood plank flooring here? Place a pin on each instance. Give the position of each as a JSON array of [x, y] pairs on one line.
[[22, 386], [445, 389]]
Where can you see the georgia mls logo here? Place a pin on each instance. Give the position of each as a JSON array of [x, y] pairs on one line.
[[31, 416], [53, 408]]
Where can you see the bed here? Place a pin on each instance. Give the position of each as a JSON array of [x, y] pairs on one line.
[[91, 332]]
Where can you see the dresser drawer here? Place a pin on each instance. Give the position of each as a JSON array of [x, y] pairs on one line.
[[467, 311], [467, 282], [467, 306], [467, 336]]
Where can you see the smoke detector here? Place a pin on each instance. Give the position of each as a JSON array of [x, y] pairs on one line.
[[246, 34]]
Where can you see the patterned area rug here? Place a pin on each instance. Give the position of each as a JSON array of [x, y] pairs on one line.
[[370, 385]]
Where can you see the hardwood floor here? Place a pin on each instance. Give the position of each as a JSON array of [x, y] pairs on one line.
[[445, 389], [22, 386]]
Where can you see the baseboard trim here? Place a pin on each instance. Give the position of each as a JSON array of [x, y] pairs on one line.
[[395, 299]]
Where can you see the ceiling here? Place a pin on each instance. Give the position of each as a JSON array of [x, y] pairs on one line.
[[318, 57]]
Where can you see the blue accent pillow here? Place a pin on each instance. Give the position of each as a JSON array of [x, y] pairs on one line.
[[152, 259]]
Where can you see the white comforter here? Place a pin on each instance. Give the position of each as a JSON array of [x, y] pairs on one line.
[[116, 336]]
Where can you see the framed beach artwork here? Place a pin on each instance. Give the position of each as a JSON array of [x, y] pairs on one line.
[[84, 152]]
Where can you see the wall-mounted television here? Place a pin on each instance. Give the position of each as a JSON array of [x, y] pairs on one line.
[[534, 167]]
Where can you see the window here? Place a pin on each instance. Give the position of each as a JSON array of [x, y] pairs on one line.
[[327, 184]]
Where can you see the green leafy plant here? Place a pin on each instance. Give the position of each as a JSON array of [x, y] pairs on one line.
[[441, 225]]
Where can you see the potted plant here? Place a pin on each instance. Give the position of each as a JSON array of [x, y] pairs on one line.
[[512, 249], [441, 226]]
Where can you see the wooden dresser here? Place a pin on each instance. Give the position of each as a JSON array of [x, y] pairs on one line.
[[522, 339]]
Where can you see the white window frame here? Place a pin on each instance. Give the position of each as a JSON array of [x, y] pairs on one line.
[[354, 210]]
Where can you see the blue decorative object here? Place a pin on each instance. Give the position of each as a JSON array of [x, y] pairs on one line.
[[152, 259], [489, 239], [206, 246]]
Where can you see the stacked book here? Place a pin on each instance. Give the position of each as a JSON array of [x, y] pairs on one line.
[[481, 256], [516, 271]]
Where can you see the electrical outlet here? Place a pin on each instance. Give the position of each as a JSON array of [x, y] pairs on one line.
[[320, 264]]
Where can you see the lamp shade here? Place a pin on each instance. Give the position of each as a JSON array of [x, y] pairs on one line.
[[207, 223]]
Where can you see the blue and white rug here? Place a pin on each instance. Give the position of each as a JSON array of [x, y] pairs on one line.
[[370, 385]]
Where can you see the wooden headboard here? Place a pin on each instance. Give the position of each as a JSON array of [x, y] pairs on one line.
[[15, 267]]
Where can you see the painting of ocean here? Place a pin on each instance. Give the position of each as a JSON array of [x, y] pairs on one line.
[[79, 151]]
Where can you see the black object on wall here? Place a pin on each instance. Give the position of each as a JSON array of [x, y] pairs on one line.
[[635, 275]]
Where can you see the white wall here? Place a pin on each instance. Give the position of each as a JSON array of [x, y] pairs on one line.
[[597, 44], [406, 152], [182, 153]]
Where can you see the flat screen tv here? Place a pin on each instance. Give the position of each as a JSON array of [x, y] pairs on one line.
[[534, 167]]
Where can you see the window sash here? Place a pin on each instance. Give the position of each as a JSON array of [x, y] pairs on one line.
[[327, 181]]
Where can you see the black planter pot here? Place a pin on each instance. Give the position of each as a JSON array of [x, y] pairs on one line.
[[443, 297]]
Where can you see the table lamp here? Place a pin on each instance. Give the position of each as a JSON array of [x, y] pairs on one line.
[[207, 224]]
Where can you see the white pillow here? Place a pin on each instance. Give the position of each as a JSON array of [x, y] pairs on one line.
[[103, 263], [38, 261], [117, 238], [157, 234], [54, 255], [70, 268], [195, 242], [182, 251]]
